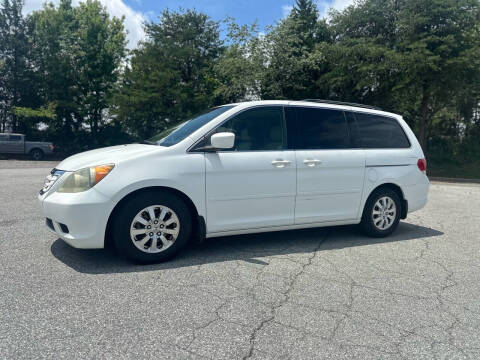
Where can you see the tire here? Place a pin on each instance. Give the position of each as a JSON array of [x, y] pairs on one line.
[[381, 223], [170, 234], [36, 154]]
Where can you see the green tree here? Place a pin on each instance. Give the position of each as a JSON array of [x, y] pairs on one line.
[[306, 25], [53, 29], [240, 67], [419, 58], [439, 46], [30, 118], [413, 57], [97, 53], [292, 68], [17, 82], [78, 53], [170, 76]]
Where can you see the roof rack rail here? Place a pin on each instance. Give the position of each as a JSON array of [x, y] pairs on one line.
[[342, 103]]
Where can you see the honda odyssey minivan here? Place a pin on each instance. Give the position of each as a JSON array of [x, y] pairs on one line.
[[240, 168]]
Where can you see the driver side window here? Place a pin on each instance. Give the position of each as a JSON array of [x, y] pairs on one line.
[[257, 129]]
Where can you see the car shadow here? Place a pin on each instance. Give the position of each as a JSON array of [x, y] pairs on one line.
[[249, 248]]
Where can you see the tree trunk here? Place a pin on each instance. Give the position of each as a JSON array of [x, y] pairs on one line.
[[96, 119]]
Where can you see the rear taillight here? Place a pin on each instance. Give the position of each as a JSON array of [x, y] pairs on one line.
[[51, 147], [422, 165]]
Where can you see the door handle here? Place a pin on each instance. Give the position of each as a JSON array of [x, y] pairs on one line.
[[312, 162], [280, 163]]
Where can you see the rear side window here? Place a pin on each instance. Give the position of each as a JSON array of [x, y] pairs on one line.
[[321, 129], [380, 132], [15, 138], [257, 129]]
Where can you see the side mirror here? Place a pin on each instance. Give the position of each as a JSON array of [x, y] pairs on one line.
[[223, 140]]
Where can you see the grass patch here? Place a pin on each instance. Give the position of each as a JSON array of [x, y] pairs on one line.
[[454, 170]]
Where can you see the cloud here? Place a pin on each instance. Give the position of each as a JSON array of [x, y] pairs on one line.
[[31, 5], [133, 19], [286, 9], [325, 5]]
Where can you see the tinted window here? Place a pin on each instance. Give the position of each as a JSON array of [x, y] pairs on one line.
[[380, 132], [177, 133], [321, 129], [257, 129], [15, 138]]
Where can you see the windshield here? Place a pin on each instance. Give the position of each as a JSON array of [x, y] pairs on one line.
[[176, 133]]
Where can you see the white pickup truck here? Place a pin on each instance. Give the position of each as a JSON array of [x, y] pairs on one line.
[[16, 144]]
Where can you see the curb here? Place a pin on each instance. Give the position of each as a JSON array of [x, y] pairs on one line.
[[454, 180]]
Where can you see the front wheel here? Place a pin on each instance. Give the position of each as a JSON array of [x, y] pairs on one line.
[[152, 227], [381, 214]]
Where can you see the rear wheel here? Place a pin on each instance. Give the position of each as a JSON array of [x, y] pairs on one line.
[[152, 227], [36, 154], [381, 214]]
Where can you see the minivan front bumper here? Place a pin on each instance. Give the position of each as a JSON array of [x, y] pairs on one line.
[[80, 219]]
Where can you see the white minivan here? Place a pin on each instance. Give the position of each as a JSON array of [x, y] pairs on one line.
[[240, 168]]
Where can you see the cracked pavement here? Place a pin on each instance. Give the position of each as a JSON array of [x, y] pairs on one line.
[[307, 294]]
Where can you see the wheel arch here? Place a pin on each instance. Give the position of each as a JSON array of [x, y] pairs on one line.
[[398, 190], [190, 204]]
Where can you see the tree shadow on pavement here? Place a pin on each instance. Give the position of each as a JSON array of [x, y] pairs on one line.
[[250, 248]]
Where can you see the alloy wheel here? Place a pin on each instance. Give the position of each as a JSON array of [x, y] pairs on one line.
[[154, 229], [384, 213]]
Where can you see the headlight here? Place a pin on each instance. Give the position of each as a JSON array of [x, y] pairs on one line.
[[84, 179], [50, 180]]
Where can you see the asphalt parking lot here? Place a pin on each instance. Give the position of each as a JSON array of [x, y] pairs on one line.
[[309, 294]]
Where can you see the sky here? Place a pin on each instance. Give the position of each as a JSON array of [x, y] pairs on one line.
[[136, 12]]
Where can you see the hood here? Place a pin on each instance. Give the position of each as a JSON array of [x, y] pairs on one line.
[[108, 155]]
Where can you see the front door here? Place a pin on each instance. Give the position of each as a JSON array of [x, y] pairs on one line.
[[252, 185], [330, 173]]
